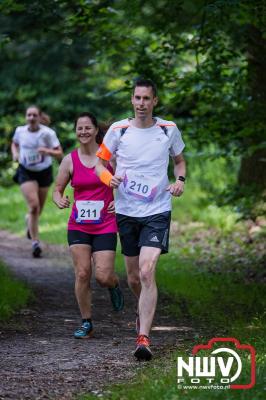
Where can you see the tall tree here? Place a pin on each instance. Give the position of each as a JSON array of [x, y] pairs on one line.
[[208, 58]]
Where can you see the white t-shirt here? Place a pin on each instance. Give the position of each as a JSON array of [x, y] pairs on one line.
[[142, 157], [30, 141]]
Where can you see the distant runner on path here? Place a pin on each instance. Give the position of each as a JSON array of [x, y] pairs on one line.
[[92, 229], [34, 145], [142, 146]]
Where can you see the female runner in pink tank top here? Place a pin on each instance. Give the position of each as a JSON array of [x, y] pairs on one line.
[[92, 230]]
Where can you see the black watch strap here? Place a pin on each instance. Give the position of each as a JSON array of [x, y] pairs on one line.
[[181, 178]]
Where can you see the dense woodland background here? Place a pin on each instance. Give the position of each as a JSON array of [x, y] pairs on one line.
[[208, 59]]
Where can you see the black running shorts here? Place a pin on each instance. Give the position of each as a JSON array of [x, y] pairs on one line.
[[151, 231], [99, 242], [44, 177]]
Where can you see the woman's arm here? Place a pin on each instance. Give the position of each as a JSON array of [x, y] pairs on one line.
[[105, 175], [56, 152], [15, 151], [62, 179]]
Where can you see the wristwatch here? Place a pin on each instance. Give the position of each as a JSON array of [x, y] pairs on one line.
[[181, 178]]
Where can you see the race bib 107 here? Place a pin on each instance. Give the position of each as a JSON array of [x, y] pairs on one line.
[[140, 186], [88, 211]]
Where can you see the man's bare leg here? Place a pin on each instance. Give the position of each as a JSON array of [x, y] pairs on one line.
[[148, 296]]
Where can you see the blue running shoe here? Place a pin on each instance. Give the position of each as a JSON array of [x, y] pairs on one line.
[[117, 298], [85, 331]]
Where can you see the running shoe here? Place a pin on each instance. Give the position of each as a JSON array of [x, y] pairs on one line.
[[143, 351], [85, 331], [117, 298], [36, 250]]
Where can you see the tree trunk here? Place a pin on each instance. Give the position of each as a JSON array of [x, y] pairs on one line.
[[253, 167]]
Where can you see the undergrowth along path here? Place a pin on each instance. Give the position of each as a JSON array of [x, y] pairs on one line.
[[40, 359]]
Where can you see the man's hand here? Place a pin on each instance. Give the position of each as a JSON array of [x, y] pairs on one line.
[[115, 181], [176, 189], [63, 202], [111, 207]]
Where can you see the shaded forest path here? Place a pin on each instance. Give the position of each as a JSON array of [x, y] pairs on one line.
[[40, 359]]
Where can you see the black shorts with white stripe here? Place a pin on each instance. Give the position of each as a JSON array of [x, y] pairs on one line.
[[136, 232]]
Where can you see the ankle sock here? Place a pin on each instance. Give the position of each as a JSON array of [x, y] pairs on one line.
[[86, 320]]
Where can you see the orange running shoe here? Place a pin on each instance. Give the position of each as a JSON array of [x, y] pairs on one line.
[[143, 351]]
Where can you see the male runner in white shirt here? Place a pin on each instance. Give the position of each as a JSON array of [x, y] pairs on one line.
[[142, 146]]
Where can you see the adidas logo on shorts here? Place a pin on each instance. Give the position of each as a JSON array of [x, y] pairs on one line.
[[154, 239]]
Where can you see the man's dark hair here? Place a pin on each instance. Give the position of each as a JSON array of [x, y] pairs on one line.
[[146, 83]]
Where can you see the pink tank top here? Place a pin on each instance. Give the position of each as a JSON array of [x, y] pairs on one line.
[[91, 199]]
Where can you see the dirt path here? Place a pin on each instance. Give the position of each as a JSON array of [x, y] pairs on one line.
[[40, 359]]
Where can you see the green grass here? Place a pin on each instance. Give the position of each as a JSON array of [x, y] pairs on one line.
[[219, 306], [204, 279], [53, 222], [13, 293], [158, 382], [208, 175], [201, 293]]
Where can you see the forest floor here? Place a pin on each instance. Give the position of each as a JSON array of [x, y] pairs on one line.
[[40, 359]]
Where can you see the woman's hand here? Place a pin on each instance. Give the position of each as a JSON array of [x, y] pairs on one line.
[[111, 207], [63, 202], [115, 181], [44, 151]]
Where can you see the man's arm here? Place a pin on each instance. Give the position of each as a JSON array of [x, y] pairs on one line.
[[177, 188]]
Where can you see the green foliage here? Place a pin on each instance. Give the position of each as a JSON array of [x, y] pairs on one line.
[[208, 176], [248, 201], [206, 57], [197, 59], [13, 294]]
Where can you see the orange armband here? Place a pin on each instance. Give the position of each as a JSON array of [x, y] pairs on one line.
[[106, 177]]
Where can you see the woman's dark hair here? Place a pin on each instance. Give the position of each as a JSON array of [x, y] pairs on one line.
[[101, 132]]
